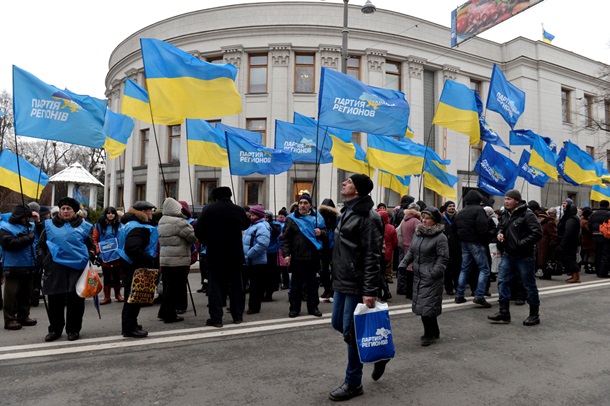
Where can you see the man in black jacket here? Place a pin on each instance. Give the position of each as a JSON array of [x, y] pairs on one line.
[[602, 244], [518, 233], [472, 226], [356, 274], [220, 228]]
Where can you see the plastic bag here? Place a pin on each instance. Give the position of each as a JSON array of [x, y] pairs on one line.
[[89, 283], [373, 332]]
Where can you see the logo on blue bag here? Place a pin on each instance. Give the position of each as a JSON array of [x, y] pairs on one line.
[[380, 338]]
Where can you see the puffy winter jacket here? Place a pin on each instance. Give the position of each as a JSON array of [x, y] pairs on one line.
[[255, 242], [176, 236], [521, 230]]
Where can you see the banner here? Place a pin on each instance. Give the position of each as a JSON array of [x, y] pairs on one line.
[[303, 143], [505, 98], [497, 170], [247, 157], [532, 175]]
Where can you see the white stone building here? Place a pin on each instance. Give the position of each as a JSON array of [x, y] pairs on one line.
[[279, 49]]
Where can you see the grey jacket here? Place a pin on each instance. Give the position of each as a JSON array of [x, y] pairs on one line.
[[176, 236], [429, 253]]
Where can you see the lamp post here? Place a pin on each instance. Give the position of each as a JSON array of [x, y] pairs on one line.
[[368, 8]]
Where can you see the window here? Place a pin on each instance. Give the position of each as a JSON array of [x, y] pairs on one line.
[[392, 75], [607, 115], [258, 74], [144, 137], [608, 159], [565, 105], [300, 187], [476, 86], [119, 194], [174, 144], [590, 150], [254, 192], [259, 125], [304, 74], [140, 191], [353, 68], [588, 104], [171, 189], [205, 197]]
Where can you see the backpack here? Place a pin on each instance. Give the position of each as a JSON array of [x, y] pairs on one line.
[[604, 228]]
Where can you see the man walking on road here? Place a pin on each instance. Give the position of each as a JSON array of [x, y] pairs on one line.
[[356, 273], [219, 228], [518, 233]]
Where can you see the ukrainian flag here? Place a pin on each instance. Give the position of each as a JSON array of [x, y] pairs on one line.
[[410, 133], [181, 86], [206, 145], [348, 156], [33, 179], [135, 102], [253, 136], [397, 157], [599, 193], [543, 159], [118, 129], [438, 180], [580, 166], [457, 110], [547, 36], [399, 184]]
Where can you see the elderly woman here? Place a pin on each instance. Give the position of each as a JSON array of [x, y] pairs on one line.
[[429, 253], [255, 243], [64, 248]]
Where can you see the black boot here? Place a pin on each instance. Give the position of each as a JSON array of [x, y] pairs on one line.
[[503, 316], [533, 318]]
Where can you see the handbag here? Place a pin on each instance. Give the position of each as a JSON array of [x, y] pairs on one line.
[[108, 250], [89, 283], [554, 268], [143, 286], [373, 332]]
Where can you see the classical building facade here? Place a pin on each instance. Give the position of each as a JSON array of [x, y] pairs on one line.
[[279, 49]]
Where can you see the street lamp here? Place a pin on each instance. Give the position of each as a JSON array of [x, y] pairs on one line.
[[368, 8]]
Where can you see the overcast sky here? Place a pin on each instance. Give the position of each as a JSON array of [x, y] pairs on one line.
[[67, 43]]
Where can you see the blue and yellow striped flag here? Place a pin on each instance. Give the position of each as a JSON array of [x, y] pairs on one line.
[[457, 110], [135, 102], [397, 157], [206, 145], [33, 179], [599, 193], [439, 180], [118, 129], [181, 86], [580, 166], [399, 184], [543, 159]]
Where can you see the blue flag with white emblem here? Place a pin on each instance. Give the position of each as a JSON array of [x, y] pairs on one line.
[[505, 98], [44, 111], [303, 143], [530, 174], [347, 103], [247, 157], [497, 172]]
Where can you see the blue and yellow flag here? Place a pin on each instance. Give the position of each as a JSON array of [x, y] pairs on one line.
[[490, 136], [457, 110], [118, 129], [44, 111], [561, 164], [439, 180], [543, 158], [347, 103], [496, 171], [527, 137], [399, 184], [206, 145], [599, 193], [547, 36], [181, 86], [532, 175], [253, 136], [303, 143], [135, 102], [580, 166], [397, 157], [505, 98], [247, 157], [33, 179]]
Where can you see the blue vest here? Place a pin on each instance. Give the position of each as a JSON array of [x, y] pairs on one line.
[[107, 238], [151, 248], [23, 257], [67, 244]]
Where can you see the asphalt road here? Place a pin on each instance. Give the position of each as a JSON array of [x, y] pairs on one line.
[[273, 360]]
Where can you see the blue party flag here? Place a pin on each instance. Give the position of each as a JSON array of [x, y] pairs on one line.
[[530, 174], [497, 171], [247, 157], [303, 142], [505, 98]]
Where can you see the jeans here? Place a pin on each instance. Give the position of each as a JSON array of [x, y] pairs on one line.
[[472, 251], [342, 320], [527, 270]]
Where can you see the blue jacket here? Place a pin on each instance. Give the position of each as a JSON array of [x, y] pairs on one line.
[[256, 241]]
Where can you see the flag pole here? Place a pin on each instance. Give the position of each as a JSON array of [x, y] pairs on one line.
[[40, 171], [421, 179]]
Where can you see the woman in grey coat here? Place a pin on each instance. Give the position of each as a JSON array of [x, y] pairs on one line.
[[429, 253], [176, 236]]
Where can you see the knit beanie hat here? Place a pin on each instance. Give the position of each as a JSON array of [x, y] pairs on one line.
[[34, 206], [514, 194], [306, 197], [257, 211], [363, 184]]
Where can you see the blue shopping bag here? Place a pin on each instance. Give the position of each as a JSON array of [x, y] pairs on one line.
[[373, 332]]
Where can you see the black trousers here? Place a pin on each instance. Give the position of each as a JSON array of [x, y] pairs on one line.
[[174, 284], [225, 279], [75, 309], [304, 272], [602, 258], [257, 275], [272, 276], [17, 290], [430, 326]]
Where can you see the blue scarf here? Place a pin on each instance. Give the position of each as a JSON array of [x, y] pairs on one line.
[[307, 224]]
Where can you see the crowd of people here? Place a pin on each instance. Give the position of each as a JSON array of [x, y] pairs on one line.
[[355, 254]]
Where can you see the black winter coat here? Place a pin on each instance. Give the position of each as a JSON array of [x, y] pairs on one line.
[[521, 230], [568, 230], [472, 225], [136, 242], [358, 249], [296, 245], [598, 217]]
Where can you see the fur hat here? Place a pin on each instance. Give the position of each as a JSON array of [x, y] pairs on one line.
[[363, 184], [20, 211], [142, 205], [222, 192], [514, 194], [257, 211], [68, 201], [433, 212]]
